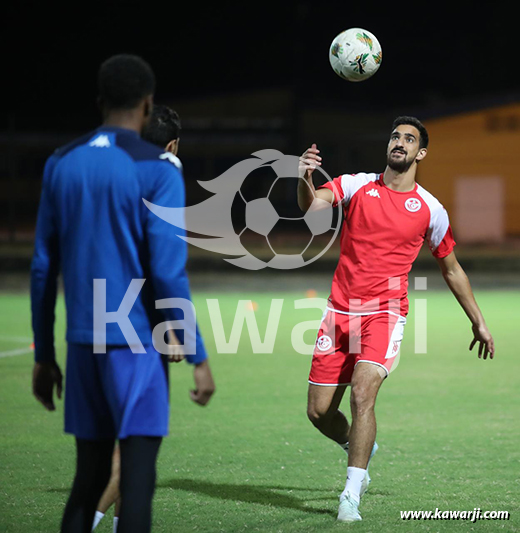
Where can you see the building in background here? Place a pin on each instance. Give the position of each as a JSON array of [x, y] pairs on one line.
[[472, 165]]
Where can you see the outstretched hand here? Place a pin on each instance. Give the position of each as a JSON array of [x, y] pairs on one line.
[[486, 343], [45, 376]]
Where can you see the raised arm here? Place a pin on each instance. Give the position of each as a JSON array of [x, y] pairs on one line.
[[459, 284], [309, 161]]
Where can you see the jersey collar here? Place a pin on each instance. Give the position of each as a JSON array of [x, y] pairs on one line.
[[117, 129], [397, 192]]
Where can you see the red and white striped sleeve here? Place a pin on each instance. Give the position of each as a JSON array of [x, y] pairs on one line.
[[345, 186], [439, 234]]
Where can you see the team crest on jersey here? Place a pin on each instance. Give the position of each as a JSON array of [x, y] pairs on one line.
[[324, 343], [413, 204]]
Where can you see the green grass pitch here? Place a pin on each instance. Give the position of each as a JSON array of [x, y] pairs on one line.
[[448, 430]]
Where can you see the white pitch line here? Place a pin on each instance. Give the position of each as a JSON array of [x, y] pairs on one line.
[[16, 351], [15, 339], [19, 351]]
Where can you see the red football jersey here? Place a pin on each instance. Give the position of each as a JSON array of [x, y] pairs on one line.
[[382, 233]]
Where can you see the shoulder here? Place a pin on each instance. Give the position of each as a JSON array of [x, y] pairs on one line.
[[346, 186], [358, 180], [430, 200], [155, 166], [137, 148], [361, 178], [438, 214], [142, 151], [58, 154], [366, 177], [351, 183], [159, 172], [76, 143]]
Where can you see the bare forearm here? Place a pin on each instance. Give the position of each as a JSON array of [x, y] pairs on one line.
[[308, 162], [306, 193], [459, 284]]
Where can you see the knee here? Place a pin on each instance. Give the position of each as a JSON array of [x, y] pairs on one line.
[[319, 418], [362, 399]]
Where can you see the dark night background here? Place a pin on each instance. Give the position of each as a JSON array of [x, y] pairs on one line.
[[433, 53], [245, 76]]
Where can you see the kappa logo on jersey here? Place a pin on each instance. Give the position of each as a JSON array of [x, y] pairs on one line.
[[172, 158], [413, 204], [324, 343], [395, 350], [374, 193], [100, 142]]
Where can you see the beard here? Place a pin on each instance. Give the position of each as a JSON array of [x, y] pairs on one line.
[[400, 165]]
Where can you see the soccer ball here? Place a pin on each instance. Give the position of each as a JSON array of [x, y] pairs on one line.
[[355, 54]]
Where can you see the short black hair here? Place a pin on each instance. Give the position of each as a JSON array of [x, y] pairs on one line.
[[164, 126], [416, 123], [124, 80]]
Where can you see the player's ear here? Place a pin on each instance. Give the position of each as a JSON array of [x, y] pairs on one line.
[[422, 154], [173, 146]]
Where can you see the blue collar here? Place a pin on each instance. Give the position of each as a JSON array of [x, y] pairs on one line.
[[117, 129]]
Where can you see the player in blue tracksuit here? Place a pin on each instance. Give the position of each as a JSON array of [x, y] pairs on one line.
[[117, 259]]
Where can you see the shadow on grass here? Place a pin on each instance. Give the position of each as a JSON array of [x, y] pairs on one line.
[[261, 494], [62, 490], [378, 492]]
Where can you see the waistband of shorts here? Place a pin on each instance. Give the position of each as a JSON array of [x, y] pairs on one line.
[[365, 314]]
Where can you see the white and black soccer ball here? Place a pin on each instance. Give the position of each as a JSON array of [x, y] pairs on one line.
[[355, 54]]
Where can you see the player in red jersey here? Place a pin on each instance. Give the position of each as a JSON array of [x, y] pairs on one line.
[[387, 217]]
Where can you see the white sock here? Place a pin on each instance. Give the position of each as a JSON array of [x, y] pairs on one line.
[[97, 518], [355, 477], [116, 520]]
